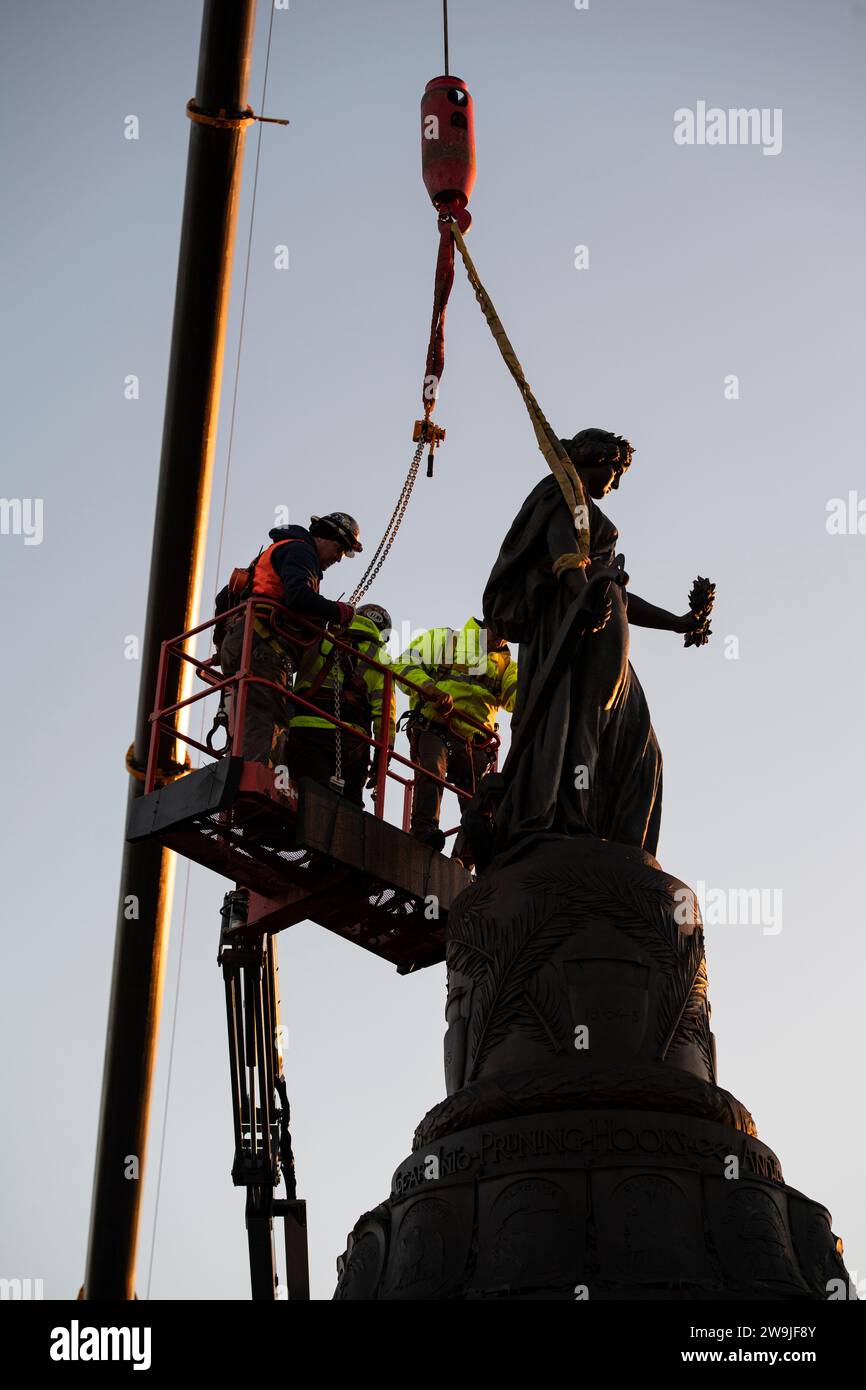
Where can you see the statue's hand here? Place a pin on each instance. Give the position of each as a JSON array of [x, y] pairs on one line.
[[596, 618], [689, 622]]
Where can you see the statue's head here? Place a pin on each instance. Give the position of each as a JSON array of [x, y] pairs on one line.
[[600, 458]]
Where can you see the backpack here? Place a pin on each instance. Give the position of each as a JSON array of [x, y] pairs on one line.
[[240, 584], [239, 588]]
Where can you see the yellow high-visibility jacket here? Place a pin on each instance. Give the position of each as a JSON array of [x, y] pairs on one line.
[[479, 682], [361, 686]]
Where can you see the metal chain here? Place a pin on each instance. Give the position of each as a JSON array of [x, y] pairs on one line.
[[337, 778], [365, 582], [384, 546]]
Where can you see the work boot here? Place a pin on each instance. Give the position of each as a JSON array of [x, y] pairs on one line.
[[462, 852], [434, 838]]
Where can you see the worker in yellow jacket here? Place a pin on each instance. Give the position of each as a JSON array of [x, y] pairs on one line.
[[312, 742], [470, 671]]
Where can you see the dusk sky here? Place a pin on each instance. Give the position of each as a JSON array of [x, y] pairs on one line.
[[717, 324]]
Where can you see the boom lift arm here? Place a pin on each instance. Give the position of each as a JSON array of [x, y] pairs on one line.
[[260, 1108]]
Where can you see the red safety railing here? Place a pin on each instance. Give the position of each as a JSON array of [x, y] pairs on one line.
[[298, 634]]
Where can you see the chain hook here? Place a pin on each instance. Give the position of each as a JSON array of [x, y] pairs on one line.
[[221, 721]]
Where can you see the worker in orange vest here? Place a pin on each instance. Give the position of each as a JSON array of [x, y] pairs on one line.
[[290, 571]]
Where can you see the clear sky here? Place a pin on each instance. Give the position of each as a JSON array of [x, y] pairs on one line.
[[705, 262]]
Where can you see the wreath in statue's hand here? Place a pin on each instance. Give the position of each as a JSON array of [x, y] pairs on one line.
[[696, 623]]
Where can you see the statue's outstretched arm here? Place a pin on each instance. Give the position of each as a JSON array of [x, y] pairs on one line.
[[643, 614]]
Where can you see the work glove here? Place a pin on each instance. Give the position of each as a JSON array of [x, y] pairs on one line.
[[345, 615], [440, 698], [374, 772]]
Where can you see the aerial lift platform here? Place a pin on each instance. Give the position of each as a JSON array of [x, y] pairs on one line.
[[294, 853], [302, 851]]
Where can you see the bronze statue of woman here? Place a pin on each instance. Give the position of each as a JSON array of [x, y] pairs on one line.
[[591, 763]]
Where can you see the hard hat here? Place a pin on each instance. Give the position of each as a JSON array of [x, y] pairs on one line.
[[342, 527], [378, 616]]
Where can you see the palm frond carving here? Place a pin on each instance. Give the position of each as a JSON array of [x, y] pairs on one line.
[[646, 912], [692, 1023], [503, 965], [637, 905]]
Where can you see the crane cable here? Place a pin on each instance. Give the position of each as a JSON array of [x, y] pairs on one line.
[[553, 451], [201, 731], [427, 434], [454, 221]]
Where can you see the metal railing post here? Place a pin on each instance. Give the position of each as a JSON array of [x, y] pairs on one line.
[[244, 670], [155, 732], [384, 747]]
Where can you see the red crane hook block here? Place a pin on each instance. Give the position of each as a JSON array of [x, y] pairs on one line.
[[448, 164]]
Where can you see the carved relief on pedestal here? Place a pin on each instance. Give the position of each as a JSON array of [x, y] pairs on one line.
[[584, 1143], [584, 954]]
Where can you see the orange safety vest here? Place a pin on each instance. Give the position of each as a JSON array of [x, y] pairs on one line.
[[266, 581], [267, 584]]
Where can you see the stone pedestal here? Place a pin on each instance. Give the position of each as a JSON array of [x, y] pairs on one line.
[[584, 1149]]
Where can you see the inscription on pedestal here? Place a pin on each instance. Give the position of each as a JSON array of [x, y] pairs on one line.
[[585, 1140]]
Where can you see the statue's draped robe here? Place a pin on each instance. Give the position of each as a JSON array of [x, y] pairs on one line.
[[596, 715]]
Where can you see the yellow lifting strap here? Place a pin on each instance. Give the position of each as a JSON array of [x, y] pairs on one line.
[[557, 459]]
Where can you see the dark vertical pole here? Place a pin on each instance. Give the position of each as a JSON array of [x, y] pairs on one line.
[[192, 403]]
